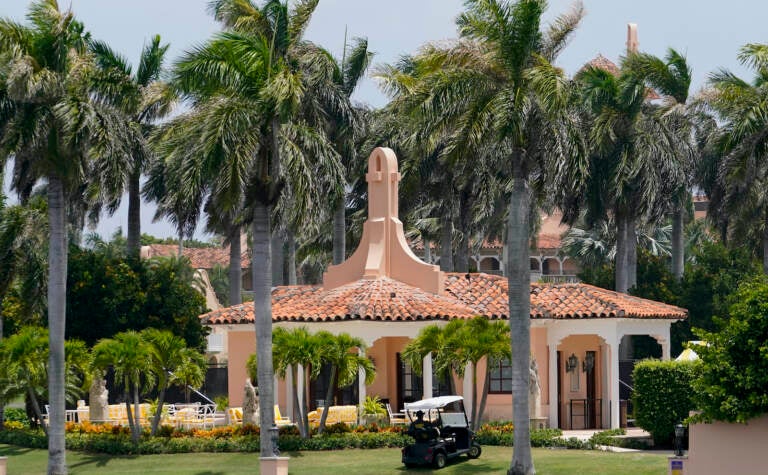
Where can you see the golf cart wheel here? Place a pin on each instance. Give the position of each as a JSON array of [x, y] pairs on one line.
[[474, 451], [440, 460]]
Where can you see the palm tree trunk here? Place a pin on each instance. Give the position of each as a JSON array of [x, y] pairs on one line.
[[134, 214], [304, 399], [159, 411], [2, 402], [620, 271], [678, 244], [303, 430], [57, 292], [277, 242], [129, 414], [262, 301], [36, 409], [290, 242], [462, 253], [446, 243], [181, 243], [328, 399], [136, 413], [235, 268], [339, 233], [484, 395], [631, 252], [520, 316]]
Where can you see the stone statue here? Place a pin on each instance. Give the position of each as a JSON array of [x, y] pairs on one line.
[[98, 400], [251, 404], [534, 390]]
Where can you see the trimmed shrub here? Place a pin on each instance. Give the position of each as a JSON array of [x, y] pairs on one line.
[[663, 396], [16, 414]]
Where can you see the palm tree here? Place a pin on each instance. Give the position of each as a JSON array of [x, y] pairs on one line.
[[53, 129], [742, 169], [635, 159], [25, 355], [130, 357], [497, 85], [480, 339], [166, 355], [672, 78], [144, 99], [341, 352], [294, 348], [343, 131], [190, 373], [260, 67]]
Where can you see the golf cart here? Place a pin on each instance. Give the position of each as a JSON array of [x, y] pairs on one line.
[[441, 432]]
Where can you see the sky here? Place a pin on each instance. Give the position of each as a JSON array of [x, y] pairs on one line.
[[708, 32]]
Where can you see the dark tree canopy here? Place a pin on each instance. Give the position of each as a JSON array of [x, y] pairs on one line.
[[109, 294]]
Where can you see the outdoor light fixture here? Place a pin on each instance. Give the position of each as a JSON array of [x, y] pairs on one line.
[[589, 362], [679, 433], [572, 363], [274, 436]]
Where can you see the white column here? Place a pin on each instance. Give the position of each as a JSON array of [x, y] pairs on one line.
[[605, 394], [361, 390], [426, 376], [300, 386], [289, 409], [275, 390], [554, 407], [467, 387], [615, 405]]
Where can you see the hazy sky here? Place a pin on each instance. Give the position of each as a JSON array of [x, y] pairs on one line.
[[708, 32]]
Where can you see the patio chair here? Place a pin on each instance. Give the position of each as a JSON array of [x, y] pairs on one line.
[[235, 415], [279, 419], [395, 417]]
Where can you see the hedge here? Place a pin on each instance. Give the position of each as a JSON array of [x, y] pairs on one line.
[[115, 441], [663, 396]]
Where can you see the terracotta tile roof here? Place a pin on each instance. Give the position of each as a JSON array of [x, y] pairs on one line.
[[200, 258], [385, 299], [382, 299], [488, 295], [548, 241]]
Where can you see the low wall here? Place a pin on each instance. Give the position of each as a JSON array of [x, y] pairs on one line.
[[721, 447]]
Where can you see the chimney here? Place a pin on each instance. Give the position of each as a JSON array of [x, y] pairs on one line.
[[632, 42]]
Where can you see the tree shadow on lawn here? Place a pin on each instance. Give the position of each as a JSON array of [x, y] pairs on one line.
[[465, 468], [99, 460], [12, 450]]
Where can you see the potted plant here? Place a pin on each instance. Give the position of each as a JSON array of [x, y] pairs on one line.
[[372, 410]]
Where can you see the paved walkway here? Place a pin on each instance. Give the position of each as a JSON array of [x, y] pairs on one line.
[[584, 435]]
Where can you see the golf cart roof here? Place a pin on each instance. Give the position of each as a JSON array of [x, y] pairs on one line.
[[432, 403]]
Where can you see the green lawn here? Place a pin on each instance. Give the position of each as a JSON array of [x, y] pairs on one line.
[[494, 460]]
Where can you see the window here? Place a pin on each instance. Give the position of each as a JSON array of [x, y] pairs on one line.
[[501, 377]]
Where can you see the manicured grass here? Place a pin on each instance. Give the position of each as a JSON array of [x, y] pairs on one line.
[[22, 461]]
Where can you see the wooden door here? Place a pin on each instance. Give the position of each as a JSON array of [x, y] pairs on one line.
[[591, 417], [559, 401]]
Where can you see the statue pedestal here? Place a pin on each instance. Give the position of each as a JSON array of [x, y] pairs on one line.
[[270, 466]]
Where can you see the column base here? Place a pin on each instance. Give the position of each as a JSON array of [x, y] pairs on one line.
[[3, 465], [273, 465]]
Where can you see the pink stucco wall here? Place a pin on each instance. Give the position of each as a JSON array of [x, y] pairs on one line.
[[728, 448]]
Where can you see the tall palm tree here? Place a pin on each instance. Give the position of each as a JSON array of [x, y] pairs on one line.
[[497, 85], [144, 99], [743, 148], [352, 67], [671, 77], [634, 163], [294, 348], [263, 66], [342, 353], [53, 129], [129, 355]]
